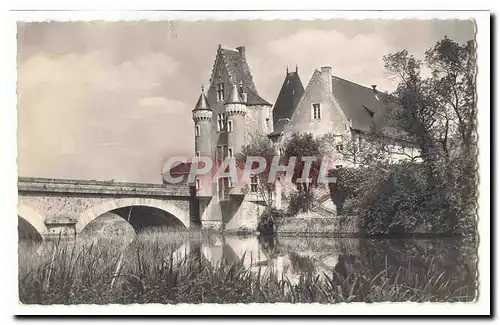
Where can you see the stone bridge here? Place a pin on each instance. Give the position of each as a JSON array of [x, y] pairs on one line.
[[50, 207]]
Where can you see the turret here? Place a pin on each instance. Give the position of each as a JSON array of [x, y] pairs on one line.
[[202, 117], [236, 111]]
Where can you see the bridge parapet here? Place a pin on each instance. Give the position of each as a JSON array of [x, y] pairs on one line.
[[54, 185]]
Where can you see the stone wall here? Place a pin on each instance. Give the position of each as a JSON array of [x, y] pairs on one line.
[[240, 212]]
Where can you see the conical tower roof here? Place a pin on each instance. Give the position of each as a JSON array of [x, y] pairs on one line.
[[202, 103], [235, 96]]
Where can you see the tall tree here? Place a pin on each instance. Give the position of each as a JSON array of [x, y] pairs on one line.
[[439, 111]]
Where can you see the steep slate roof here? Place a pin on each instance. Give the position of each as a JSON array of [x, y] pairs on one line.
[[359, 103], [290, 94], [279, 127], [202, 103], [235, 97], [238, 69]]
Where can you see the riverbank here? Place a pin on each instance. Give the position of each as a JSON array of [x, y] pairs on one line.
[[313, 224]]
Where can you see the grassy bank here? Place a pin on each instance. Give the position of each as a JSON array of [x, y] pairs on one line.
[[159, 269]]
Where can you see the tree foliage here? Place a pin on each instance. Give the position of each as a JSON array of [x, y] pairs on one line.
[[439, 111], [436, 111], [297, 147]]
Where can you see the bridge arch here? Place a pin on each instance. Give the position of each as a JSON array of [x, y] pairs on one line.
[[92, 213], [33, 218]]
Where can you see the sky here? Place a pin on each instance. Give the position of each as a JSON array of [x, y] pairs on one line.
[[113, 100]]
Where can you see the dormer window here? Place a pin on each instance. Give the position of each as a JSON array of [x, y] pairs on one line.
[[281, 151], [198, 184], [197, 130], [316, 112], [370, 112], [220, 92]]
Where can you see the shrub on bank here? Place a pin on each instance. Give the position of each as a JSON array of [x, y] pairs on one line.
[[392, 200], [270, 220]]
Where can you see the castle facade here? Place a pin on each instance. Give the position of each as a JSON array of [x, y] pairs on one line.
[[231, 111]]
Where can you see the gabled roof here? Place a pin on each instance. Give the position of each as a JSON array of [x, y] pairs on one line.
[[239, 71], [290, 94], [360, 104]]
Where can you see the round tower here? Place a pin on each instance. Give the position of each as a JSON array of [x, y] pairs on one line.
[[236, 111], [202, 117]]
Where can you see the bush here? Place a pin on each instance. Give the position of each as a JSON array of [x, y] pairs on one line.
[[296, 203], [270, 220], [392, 200]]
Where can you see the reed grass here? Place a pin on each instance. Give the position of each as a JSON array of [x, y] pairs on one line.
[[155, 268]]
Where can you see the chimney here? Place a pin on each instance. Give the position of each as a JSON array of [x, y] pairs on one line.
[[326, 74], [374, 88], [241, 49]]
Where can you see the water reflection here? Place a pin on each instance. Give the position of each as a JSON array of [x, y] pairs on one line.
[[290, 258]]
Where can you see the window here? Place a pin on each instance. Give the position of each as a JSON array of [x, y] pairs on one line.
[[230, 182], [254, 183], [197, 131], [197, 154], [198, 184], [223, 188], [270, 195], [281, 151], [339, 147], [221, 121], [338, 166], [230, 152], [229, 126], [316, 112], [220, 92]]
